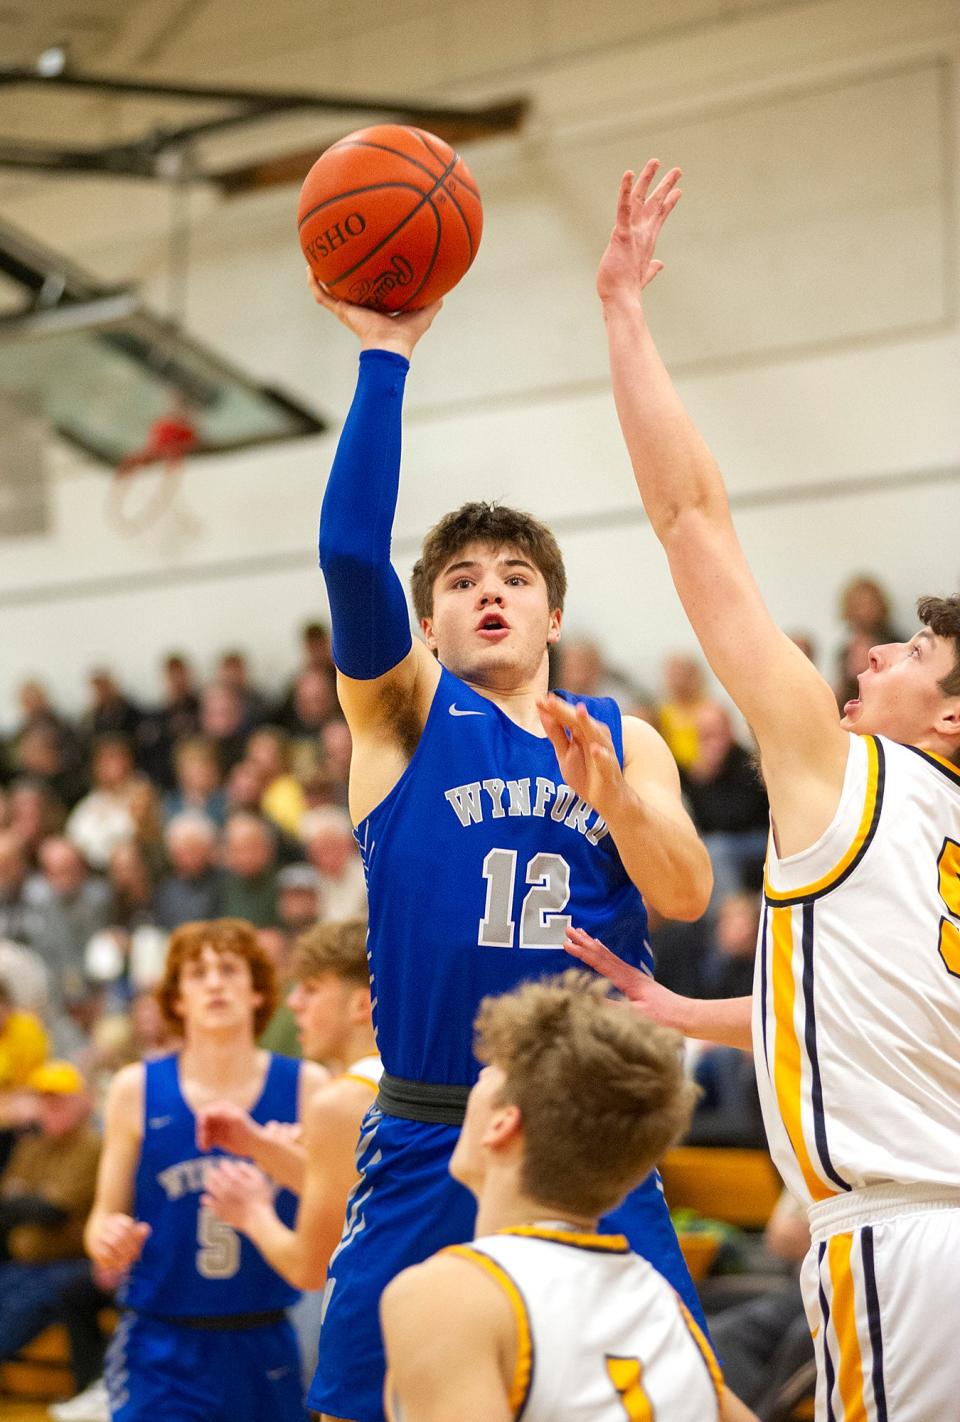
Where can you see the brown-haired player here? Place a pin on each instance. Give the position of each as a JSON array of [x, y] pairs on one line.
[[204, 1335], [541, 1315], [330, 1000], [488, 813], [856, 1004]]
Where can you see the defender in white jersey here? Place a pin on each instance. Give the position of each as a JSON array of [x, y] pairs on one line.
[[330, 1000], [541, 1315], [856, 1017]]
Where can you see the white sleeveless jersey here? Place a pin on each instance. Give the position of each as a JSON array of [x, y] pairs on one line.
[[369, 1070], [856, 1020], [601, 1336]]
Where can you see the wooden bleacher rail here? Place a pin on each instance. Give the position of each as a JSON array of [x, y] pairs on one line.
[[738, 1186]]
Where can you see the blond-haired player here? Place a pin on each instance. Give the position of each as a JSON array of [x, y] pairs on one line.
[[856, 1008], [330, 1000], [542, 1315]]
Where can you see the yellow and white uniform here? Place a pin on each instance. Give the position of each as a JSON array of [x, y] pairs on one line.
[[601, 1337], [369, 1070], [857, 1045]]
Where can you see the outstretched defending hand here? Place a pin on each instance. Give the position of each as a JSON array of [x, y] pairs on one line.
[[377, 330], [650, 999], [584, 747], [234, 1189], [628, 264], [118, 1243]]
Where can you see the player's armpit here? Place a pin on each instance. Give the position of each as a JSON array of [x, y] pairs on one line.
[[451, 1343]]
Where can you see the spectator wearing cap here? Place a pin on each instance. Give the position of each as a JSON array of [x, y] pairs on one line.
[[46, 1193], [332, 851], [193, 890], [299, 898]]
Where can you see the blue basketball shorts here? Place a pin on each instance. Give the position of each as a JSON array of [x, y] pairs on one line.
[[404, 1208], [157, 1371]]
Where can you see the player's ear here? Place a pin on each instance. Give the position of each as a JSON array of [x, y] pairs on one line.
[[426, 627], [553, 633], [948, 723], [503, 1128], [359, 1009]]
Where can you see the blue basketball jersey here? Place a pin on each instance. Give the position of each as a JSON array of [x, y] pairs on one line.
[[194, 1265], [477, 862]]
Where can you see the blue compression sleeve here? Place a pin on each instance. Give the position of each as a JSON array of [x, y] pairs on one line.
[[368, 609]]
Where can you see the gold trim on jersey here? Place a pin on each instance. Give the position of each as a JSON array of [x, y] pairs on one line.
[[941, 762], [523, 1366], [364, 1080], [602, 1243], [861, 840], [709, 1357], [843, 1308], [787, 1071]]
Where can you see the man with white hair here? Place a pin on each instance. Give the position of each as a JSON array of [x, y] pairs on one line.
[[332, 850], [194, 889]]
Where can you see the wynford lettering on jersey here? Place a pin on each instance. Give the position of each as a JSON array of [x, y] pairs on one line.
[[497, 799]]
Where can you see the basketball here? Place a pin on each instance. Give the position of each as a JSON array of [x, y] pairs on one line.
[[389, 217]]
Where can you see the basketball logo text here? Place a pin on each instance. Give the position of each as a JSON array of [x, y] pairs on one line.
[[374, 289], [336, 236]]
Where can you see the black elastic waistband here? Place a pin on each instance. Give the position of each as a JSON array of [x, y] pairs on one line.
[[428, 1101], [222, 1323]]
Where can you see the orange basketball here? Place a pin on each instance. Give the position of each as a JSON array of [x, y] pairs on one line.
[[389, 217]]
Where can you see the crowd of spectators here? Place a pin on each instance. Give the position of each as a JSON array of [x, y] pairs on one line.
[[225, 799]]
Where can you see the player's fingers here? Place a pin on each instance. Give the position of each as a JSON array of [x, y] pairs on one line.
[[644, 180], [623, 200], [665, 186]]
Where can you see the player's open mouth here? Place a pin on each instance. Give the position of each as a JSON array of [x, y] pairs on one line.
[[493, 627], [852, 705]]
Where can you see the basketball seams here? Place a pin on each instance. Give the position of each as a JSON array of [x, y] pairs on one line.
[[399, 153], [388, 236], [355, 192], [433, 260]]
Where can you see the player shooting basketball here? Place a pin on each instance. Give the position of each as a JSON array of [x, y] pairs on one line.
[[488, 814]]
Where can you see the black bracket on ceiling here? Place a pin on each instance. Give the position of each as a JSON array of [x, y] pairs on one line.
[[159, 154]]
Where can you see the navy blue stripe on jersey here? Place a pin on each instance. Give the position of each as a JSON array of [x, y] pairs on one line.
[[810, 1042], [873, 1317], [764, 949], [828, 1368], [949, 772], [787, 900]]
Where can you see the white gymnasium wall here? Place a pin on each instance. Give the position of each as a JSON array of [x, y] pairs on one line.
[[808, 310]]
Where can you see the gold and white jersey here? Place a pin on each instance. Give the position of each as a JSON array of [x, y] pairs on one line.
[[369, 1070], [856, 1018], [601, 1337]]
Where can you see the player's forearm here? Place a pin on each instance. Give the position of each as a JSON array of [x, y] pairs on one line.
[[368, 609], [675, 471], [284, 1161], [281, 1247], [664, 858], [724, 1020]]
